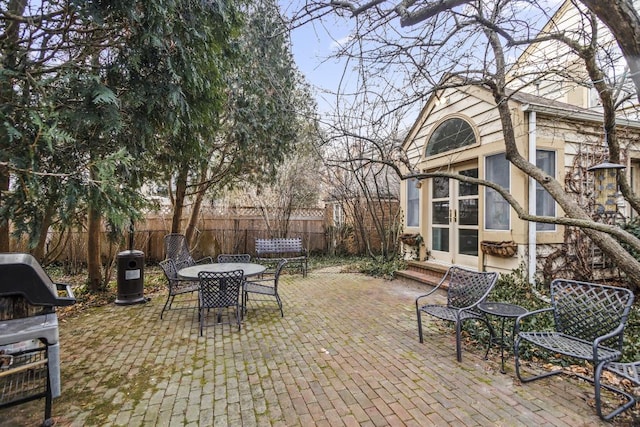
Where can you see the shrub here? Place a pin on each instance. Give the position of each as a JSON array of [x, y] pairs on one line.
[[631, 344], [377, 268], [513, 288], [632, 227]]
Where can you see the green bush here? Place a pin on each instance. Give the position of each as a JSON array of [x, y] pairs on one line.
[[378, 268], [632, 227], [514, 288], [631, 346]]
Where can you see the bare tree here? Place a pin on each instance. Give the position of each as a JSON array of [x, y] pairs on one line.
[[407, 51], [366, 189], [623, 20], [295, 187]]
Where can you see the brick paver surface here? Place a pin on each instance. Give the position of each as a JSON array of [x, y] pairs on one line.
[[345, 354]]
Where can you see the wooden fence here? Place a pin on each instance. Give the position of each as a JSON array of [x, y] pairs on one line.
[[218, 231], [234, 232]]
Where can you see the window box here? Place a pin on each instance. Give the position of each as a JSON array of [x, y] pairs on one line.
[[411, 239], [505, 249]]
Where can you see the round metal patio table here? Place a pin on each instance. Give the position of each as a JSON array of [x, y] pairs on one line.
[[504, 311], [249, 269]]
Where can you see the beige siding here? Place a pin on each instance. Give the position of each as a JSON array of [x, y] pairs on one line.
[[481, 113], [578, 143], [476, 106], [539, 60]]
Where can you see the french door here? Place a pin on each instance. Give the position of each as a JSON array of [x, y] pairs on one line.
[[454, 219]]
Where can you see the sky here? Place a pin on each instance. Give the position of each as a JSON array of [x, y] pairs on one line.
[[312, 44]]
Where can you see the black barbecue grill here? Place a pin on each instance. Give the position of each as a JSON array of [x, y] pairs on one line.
[[29, 348]]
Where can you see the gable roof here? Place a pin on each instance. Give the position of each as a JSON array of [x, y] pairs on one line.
[[528, 103], [431, 103], [550, 107]]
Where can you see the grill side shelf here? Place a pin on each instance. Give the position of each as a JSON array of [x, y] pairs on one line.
[[25, 367]]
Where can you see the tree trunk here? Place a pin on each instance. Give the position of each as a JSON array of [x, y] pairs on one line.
[[624, 23], [4, 225], [609, 122], [609, 245], [179, 200], [39, 251], [11, 36], [94, 263], [195, 212]]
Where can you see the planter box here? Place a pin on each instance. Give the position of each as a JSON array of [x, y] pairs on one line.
[[505, 249]]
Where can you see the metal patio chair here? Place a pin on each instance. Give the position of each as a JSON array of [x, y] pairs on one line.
[[589, 321], [176, 248], [265, 286], [176, 285], [233, 258], [629, 371], [220, 292], [466, 289]]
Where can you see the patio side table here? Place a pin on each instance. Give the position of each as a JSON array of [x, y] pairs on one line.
[[504, 311]]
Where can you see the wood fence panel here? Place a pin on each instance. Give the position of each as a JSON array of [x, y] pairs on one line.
[[233, 231]]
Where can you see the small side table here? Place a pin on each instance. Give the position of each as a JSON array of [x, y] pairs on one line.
[[504, 311]]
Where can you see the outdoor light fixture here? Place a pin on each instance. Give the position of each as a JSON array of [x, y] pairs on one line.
[[606, 184]]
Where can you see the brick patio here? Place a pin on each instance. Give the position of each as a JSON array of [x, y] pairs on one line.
[[345, 354]]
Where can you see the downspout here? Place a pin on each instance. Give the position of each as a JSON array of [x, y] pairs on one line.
[[532, 199]]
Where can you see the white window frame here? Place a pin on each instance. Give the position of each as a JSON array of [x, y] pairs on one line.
[[539, 225], [413, 189], [488, 194]]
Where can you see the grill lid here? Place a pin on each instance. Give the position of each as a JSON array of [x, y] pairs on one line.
[[21, 274]]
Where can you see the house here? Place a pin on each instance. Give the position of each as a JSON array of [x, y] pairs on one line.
[[558, 127]]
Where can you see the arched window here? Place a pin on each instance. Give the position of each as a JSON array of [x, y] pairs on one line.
[[449, 135]]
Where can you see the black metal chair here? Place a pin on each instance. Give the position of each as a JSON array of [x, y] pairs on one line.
[[589, 321], [466, 289], [629, 371], [266, 286], [176, 285], [219, 291], [176, 248], [234, 258]]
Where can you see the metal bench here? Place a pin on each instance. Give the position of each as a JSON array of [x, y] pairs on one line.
[[271, 250]]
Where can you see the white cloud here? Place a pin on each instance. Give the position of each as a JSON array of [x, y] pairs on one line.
[[340, 43]]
